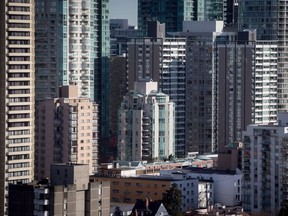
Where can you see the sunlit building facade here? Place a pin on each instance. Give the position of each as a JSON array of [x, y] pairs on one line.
[[146, 124], [17, 95]]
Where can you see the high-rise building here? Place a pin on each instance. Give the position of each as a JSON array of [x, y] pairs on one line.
[[245, 84], [66, 46], [69, 192], [230, 83], [270, 21], [17, 95], [144, 59], [174, 12], [215, 10], [72, 47], [119, 32], [161, 59], [200, 37], [173, 83], [208, 10], [146, 124], [67, 132], [102, 54], [170, 12], [264, 166]]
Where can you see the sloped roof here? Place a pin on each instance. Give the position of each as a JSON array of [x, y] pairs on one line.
[[154, 207]]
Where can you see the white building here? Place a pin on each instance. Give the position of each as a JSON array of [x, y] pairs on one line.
[[146, 124], [196, 193], [227, 185], [264, 165], [265, 82]]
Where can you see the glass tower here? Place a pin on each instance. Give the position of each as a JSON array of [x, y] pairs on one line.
[[72, 48], [208, 10], [66, 46], [170, 12]]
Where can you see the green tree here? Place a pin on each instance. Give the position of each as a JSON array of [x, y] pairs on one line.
[[172, 200], [170, 157]]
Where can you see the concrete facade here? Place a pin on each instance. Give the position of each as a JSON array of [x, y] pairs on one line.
[[70, 193], [146, 124], [227, 185], [143, 60], [17, 93], [199, 86], [245, 85], [264, 166], [67, 131], [270, 22], [163, 60], [128, 189]]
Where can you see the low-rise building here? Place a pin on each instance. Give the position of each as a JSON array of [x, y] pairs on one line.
[[195, 193], [227, 184], [231, 157], [69, 192], [134, 168], [149, 208]]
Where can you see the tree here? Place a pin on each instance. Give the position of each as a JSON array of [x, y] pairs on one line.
[[118, 211], [172, 200], [170, 157], [284, 210]]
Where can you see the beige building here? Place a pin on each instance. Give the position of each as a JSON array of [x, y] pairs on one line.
[[196, 193], [129, 189], [67, 131], [16, 94]]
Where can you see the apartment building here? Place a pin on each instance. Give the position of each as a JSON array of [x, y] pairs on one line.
[[227, 185], [173, 83], [144, 58], [17, 95], [120, 31], [67, 132], [245, 85], [200, 38], [269, 20], [73, 47], [195, 193], [264, 165], [162, 59], [69, 192], [146, 124]]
